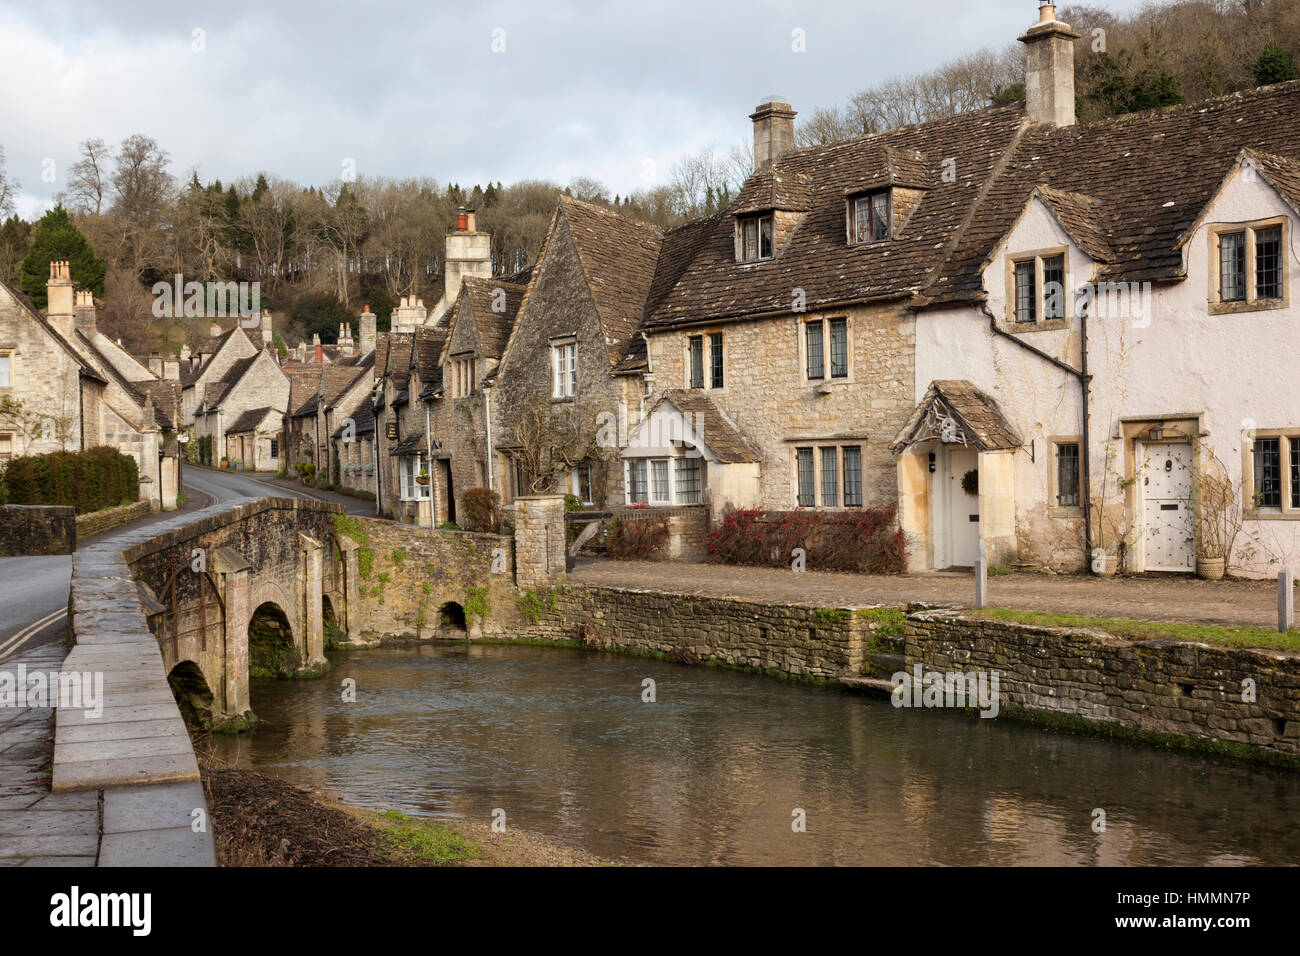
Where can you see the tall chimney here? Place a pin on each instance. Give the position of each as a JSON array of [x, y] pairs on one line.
[[367, 329], [469, 253], [268, 335], [58, 302], [84, 309], [1049, 69], [214, 330], [773, 133], [320, 351]]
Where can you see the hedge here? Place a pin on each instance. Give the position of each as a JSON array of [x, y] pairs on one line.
[[87, 480], [636, 538], [482, 507], [867, 541]]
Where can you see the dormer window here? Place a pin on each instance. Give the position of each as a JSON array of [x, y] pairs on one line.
[[871, 216], [756, 238]]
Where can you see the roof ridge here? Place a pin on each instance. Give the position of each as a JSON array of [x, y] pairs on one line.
[[610, 213]]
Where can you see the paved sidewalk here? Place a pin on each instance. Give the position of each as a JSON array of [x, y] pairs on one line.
[[37, 827], [1180, 599]]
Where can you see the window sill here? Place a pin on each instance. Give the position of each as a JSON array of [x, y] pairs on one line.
[[1059, 512], [1052, 325], [1270, 515], [562, 399], [1236, 308]]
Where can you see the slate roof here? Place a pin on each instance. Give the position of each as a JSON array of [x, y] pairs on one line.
[[249, 420], [817, 257], [618, 258], [493, 327], [973, 409], [1152, 174], [716, 430]]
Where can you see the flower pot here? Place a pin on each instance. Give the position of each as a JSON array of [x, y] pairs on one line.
[[422, 480], [1211, 569], [1104, 565]]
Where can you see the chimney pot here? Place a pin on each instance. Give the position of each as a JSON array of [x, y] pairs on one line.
[[462, 219]]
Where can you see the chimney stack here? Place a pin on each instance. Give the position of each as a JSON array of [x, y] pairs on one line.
[[320, 352], [773, 133], [410, 311], [1049, 69], [84, 310], [267, 334], [367, 329], [58, 298], [469, 253], [214, 330]]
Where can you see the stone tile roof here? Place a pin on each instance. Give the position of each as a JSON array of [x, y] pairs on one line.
[[429, 340], [399, 353], [1152, 174], [304, 384], [618, 258], [1282, 172], [1081, 217], [717, 431], [363, 418], [493, 326], [817, 257], [166, 398], [219, 389], [249, 420], [978, 418], [775, 188]]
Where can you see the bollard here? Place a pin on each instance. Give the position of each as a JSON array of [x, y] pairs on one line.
[[1285, 600], [981, 581]]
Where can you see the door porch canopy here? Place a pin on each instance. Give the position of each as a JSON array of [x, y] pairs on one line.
[[954, 411]]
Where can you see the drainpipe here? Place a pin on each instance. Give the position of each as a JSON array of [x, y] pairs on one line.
[[487, 419], [1085, 380]]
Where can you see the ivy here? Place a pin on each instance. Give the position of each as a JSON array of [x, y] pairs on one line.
[[476, 602]]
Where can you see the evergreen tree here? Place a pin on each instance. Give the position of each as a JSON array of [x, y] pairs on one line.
[[1275, 65], [56, 238]]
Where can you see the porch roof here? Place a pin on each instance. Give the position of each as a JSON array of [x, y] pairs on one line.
[[975, 419]]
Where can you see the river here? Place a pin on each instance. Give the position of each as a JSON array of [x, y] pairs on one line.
[[714, 770]]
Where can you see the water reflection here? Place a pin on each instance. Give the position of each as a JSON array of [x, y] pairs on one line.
[[712, 771]]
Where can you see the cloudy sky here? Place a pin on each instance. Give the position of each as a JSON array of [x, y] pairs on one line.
[[465, 91]]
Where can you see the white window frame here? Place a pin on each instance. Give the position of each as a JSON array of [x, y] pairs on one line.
[[564, 368], [7, 356], [408, 469], [575, 483], [670, 462]]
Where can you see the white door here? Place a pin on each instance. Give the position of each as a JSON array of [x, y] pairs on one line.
[[963, 509], [1168, 534]]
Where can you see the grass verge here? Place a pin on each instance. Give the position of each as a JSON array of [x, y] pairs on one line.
[[1239, 637]]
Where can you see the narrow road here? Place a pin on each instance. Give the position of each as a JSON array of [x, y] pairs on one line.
[[34, 590]]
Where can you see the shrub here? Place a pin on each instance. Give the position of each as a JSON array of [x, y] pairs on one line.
[[636, 539], [482, 508], [867, 541], [87, 480]]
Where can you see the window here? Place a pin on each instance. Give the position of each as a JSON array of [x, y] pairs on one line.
[[6, 360], [462, 382], [581, 484], [756, 238], [697, 361], [715, 360], [1295, 472], [1251, 271], [871, 217], [1026, 294], [853, 476], [688, 481], [807, 489], [1232, 267], [813, 338], [637, 492], [826, 343], [1067, 475], [1054, 287], [659, 493], [1268, 473], [564, 367], [1268, 263], [839, 348], [275, 448], [830, 478], [6, 448], [408, 470]]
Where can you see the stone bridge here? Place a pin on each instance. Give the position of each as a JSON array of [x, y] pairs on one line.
[[277, 561]]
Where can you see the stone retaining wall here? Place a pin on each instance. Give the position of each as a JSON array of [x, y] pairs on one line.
[[1160, 686], [688, 530], [37, 529], [800, 641], [97, 522]]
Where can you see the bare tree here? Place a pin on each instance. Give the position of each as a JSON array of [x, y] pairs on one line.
[[87, 177], [8, 188]]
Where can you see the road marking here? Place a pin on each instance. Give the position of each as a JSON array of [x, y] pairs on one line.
[[27, 633]]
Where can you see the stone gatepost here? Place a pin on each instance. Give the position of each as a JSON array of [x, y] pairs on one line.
[[311, 572], [233, 569], [539, 541]]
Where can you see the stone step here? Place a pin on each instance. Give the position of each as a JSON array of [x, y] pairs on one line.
[[868, 685]]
